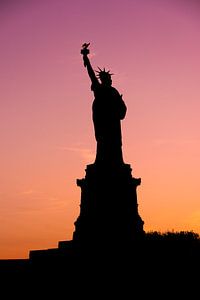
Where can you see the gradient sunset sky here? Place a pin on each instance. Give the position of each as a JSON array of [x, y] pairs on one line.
[[46, 130]]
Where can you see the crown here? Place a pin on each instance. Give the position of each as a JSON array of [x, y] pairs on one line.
[[103, 73]]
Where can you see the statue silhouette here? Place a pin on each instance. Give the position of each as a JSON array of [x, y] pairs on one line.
[[108, 110]]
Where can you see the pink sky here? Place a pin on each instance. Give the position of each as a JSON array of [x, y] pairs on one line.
[[47, 138]]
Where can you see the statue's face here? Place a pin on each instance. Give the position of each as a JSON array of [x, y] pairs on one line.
[[106, 81]]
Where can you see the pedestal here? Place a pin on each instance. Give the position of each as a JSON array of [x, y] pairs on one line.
[[108, 209]]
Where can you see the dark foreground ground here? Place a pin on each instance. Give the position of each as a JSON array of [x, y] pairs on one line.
[[160, 266]]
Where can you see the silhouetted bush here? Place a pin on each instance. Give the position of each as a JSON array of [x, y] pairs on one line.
[[173, 236], [172, 248]]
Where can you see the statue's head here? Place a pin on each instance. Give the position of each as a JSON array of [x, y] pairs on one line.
[[104, 76]]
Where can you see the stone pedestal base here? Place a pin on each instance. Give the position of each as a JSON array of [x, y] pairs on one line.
[[108, 209]]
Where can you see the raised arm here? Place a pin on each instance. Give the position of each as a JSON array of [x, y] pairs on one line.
[[87, 64]]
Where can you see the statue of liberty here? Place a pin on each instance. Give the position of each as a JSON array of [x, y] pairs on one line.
[[108, 110]]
